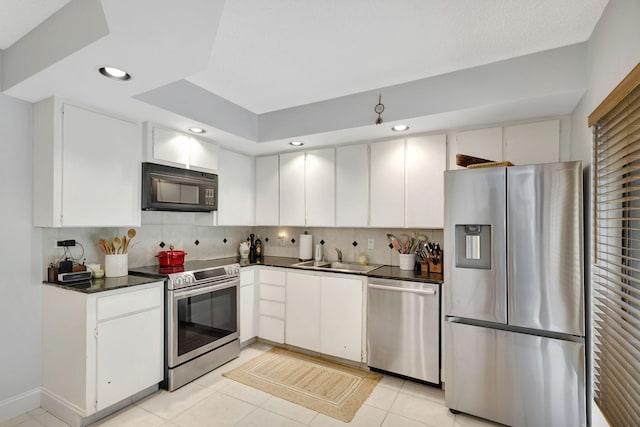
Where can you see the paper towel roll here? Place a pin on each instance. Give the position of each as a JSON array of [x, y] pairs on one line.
[[306, 247]]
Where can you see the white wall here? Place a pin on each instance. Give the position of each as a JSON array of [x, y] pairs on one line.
[[614, 50], [21, 254]]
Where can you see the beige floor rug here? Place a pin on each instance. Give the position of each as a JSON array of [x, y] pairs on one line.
[[329, 388]]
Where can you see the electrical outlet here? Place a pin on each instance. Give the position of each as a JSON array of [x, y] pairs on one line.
[[370, 244]]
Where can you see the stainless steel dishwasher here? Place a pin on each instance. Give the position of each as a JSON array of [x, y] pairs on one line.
[[403, 328]]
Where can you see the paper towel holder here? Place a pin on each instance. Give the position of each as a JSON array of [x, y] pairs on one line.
[[306, 247]]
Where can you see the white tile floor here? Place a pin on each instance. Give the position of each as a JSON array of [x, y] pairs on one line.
[[214, 400]]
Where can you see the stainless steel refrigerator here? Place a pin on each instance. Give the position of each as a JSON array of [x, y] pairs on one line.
[[514, 294]]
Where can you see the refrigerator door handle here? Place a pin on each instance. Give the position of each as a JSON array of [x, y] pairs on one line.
[[409, 290]]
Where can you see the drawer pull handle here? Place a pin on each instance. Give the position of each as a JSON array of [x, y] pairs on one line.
[[409, 290]]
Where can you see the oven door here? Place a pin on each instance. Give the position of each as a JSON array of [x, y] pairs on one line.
[[200, 319]]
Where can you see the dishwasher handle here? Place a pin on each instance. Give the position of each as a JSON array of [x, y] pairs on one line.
[[408, 290]]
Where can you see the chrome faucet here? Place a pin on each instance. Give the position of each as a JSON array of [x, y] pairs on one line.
[[339, 254]]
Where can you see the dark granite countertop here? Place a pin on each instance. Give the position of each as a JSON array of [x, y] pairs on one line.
[[105, 284], [111, 283], [385, 271]]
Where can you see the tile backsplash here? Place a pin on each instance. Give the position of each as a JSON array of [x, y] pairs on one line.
[[193, 233]]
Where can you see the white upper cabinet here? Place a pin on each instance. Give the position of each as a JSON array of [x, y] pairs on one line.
[[482, 143], [352, 186], [235, 189], [320, 188], [521, 144], [532, 143], [173, 148], [387, 184], [292, 206], [426, 161], [167, 146], [86, 168], [267, 190], [203, 155]]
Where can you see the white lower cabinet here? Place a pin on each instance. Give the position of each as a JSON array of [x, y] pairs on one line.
[[324, 314], [271, 303], [101, 348], [247, 305], [341, 317], [127, 356], [303, 311]]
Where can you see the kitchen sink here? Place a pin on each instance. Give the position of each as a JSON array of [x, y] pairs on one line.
[[346, 267]]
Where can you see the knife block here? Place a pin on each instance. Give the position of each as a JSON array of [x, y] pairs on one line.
[[435, 268]]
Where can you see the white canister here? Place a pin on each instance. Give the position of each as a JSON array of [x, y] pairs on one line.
[[318, 256], [116, 265], [407, 261]]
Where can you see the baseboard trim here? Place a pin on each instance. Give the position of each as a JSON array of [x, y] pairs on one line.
[[61, 408], [75, 416], [19, 404]]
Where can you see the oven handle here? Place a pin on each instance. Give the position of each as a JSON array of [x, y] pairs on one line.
[[203, 289]]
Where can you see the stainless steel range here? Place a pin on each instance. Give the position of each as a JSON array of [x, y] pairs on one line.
[[201, 317]]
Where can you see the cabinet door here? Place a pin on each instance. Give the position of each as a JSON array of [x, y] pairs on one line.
[[130, 357], [203, 155], [532, 143], [267, 190], [426, 162], [170, 146], [320, 188], [235, 189], [483, 143], [101, 173], [303, 311], [247, 310], [341, 317], [292, 189], [387, 184], [352, 186]]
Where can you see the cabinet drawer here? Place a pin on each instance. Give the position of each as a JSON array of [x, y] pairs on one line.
[[271, 329], [274, 293], [272, 309], [130, 302], [273, 277]]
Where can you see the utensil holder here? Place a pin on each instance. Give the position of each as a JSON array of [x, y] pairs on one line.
[[116, 265], [435, 268], [407, 261]]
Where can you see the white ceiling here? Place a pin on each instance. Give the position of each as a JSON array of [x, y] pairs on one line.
[[245, 69], [280, 54]]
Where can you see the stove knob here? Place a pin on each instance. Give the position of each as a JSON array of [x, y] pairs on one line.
[[179, 281], [188, 279]]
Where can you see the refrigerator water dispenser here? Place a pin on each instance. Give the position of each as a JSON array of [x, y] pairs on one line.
[[473, 246]]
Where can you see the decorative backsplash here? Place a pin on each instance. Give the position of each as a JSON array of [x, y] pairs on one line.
[[192, 233]]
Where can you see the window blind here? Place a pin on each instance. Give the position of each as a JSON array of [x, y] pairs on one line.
[[616, 256]]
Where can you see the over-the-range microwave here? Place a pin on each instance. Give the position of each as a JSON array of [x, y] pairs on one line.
[[166, 188]]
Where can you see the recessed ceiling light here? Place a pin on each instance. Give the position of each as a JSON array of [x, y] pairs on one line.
[[400, 128], [296, 143], [196, 130], [114, 73]]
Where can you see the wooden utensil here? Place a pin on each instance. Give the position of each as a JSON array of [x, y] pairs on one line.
[[117, 243]]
